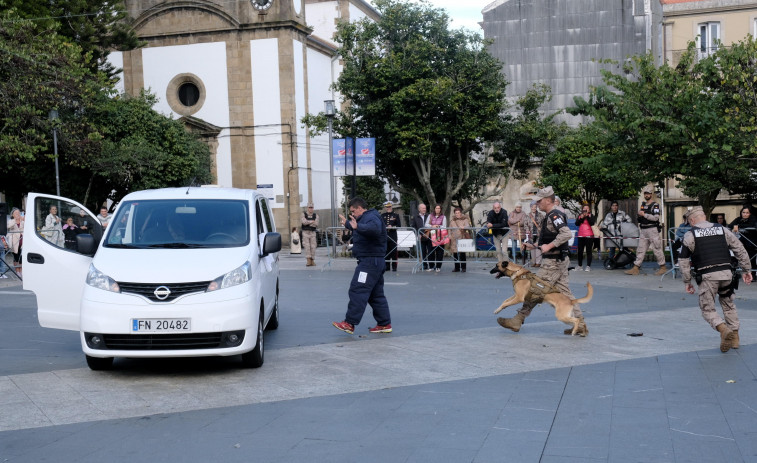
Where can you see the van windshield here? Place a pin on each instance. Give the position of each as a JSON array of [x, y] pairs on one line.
[[174, 223]]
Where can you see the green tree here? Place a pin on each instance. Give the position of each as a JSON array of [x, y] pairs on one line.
[[585, 168], [668, 122], [432, 98], [96, 26], [40, 71]]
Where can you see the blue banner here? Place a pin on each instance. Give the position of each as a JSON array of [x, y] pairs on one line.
[[361, 152]]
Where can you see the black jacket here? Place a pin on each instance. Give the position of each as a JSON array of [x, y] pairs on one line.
[[418, 223], [498, 221]]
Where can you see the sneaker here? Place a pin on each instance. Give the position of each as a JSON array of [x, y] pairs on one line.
[[346, 327], [587, 269], [381, 329], [429, 270], [438, 270]]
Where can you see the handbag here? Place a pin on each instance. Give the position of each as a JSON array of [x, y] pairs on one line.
[[295, 242], [441, 238]]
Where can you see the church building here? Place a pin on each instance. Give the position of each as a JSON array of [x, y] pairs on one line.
[[242, 74]]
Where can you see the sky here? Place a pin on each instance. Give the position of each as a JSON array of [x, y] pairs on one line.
[[464, 13]]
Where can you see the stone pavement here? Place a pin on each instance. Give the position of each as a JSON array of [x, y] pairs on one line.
[[449, 385]]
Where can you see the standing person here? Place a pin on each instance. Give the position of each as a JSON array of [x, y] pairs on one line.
[[535, 218], [392, 221], [496, 222], [309, 226], [744, 225], [612, 223], [649, 223], [553, 242], [437, 222], [558, 204], [15, 237], [367, 286], [103, 217], [585, 235], [517, 222], [295, 245], [419, 222], [53, 230], [706, 248], [458, 226]]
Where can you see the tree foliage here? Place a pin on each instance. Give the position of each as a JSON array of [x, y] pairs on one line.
[[105, 142], [96, 26], [39, 71], [675, 122], [585, 168], [430, 96]]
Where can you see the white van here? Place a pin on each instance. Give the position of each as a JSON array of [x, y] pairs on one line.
[[176, 272]]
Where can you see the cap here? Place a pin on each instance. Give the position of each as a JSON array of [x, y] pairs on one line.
[[648, 189], [543, 193], [692, 211], [310, 204], [388, 204]]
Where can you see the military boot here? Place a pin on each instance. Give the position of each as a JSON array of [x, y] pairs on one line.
[[735, 342], [726, 337], [661, 271], [633, 271], [514, 323]]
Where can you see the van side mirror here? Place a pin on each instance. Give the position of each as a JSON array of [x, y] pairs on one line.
[[271, 243], [86, 244]]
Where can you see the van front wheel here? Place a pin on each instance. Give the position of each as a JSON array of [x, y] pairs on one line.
[[254, 358], [98, 363]]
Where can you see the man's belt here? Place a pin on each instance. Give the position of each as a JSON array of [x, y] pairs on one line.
[[648, 226]]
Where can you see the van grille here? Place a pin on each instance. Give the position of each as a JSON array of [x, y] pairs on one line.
[[177, 289], [163, 341]]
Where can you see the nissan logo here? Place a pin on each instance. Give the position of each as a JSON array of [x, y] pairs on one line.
[[162, 292]]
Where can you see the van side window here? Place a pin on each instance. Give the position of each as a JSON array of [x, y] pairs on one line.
[[259, 218], [60, 221], [267, 215]]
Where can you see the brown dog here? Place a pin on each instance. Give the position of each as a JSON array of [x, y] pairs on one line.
[[528, 286]]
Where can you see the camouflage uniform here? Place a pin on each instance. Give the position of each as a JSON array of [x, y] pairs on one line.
[[716, 282]]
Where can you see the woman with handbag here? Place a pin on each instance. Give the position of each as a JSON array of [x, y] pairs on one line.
[[458, 231], [585, 222], [437, 223]]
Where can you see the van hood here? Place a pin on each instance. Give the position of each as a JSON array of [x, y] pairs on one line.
[[169, 265]]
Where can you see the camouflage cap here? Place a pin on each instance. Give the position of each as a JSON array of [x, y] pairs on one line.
[[694, 210], [648, 189], [544, 193]]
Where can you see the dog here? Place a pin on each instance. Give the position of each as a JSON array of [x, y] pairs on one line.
[[522, 285]]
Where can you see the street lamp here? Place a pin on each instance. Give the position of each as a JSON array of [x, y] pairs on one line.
[[330, 111], [53, 116]]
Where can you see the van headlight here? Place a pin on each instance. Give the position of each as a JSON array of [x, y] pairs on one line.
[[239, 275], [98, 279]]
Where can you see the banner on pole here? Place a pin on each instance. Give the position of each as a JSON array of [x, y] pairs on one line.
[[349, 152]]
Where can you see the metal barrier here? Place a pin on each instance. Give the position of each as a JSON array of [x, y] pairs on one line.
[[404, 245], [481, 240], [675, 242], [5, 268]]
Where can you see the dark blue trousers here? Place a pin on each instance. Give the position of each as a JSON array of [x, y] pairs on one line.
[[367, 287]]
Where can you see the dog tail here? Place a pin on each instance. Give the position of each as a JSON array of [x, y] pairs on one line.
[[588, 296]]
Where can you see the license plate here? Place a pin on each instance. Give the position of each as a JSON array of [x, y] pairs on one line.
[[160, 325]]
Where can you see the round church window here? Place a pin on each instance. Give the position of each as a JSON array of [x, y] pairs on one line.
[[186, 94], [189, 94]]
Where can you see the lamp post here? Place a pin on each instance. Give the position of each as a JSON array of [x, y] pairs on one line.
[[53, 116], [330, 111]]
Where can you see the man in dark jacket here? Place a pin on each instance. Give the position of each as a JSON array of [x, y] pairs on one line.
[[496, 222], [367, 286], [419, 221]]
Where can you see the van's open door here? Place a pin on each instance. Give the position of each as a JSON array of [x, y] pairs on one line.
[[53, 269]]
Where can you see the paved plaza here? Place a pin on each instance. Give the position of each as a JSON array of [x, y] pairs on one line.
[[448, 385]]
